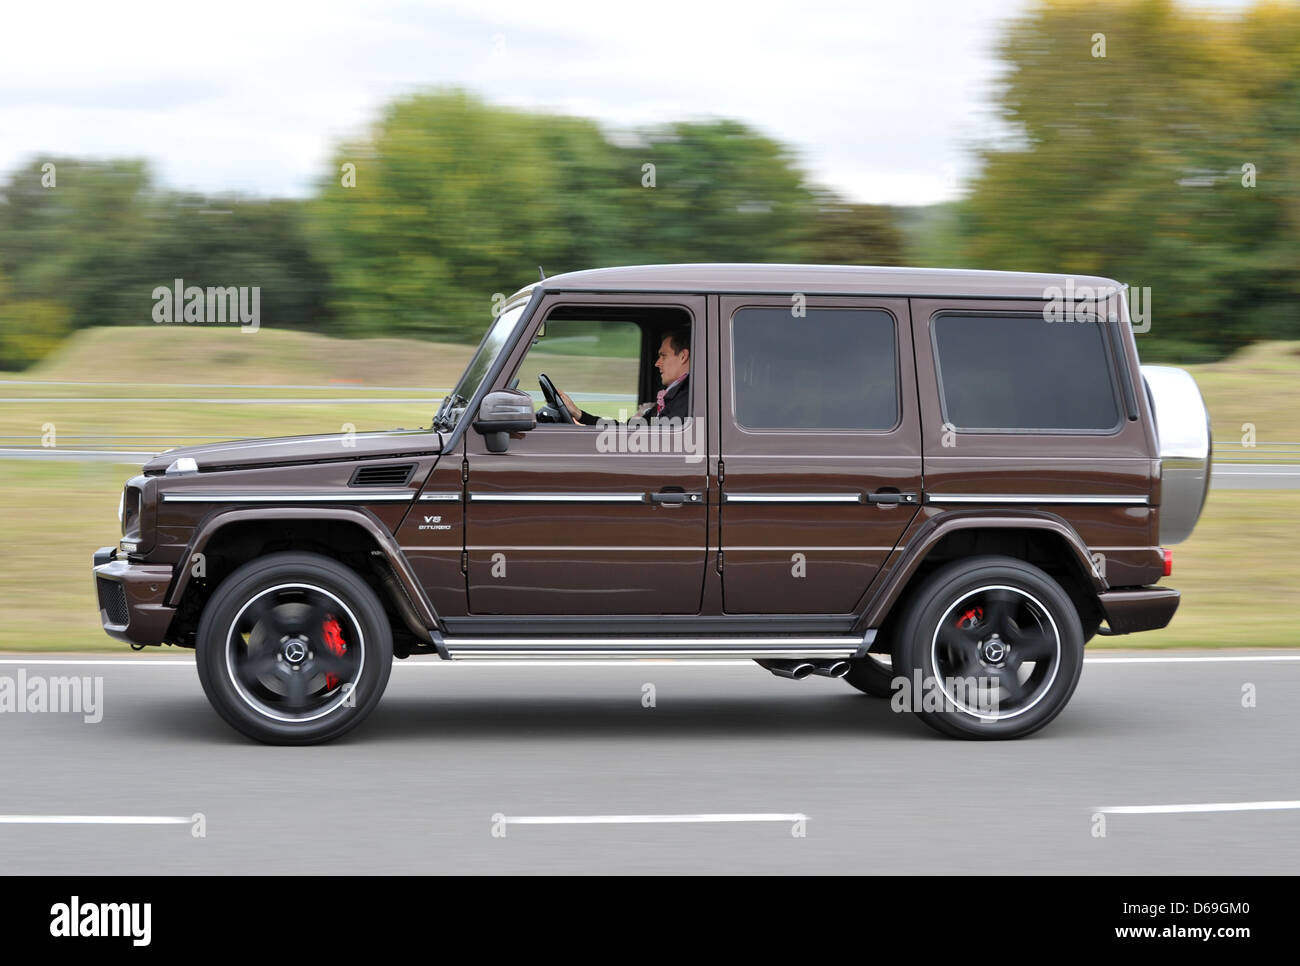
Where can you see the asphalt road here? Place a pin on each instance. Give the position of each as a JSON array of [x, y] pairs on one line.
[[416, 787]]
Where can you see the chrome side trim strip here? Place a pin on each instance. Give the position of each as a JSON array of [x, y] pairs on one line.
[[348, 496], [792, 498], [557, 497], [728, 547], [440, 497], [552, 547], [1036, 498]]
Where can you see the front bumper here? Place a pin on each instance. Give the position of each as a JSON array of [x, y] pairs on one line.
[[1139, 608], [131, 598]]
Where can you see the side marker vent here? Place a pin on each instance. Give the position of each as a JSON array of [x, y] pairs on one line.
[[393, 474]]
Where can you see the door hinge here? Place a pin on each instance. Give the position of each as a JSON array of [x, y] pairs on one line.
[[464, 561], [722, 472], [719, 561], [464, 471]]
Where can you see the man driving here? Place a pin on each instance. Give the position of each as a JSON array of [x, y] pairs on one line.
[[674, 365]]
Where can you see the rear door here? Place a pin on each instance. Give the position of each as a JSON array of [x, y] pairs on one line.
[[820, 449]]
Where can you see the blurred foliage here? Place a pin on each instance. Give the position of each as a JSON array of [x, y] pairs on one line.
[[1128, 165], [1131, 165], [30, 329], [454, 200], [450, 200], [848, 234], [103, 236], [722, 193]]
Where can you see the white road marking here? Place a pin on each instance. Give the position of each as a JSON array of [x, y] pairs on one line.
[[96, 820], [625, 662], [1204, 807], [111, 662], [1217, 659], [652, 819]]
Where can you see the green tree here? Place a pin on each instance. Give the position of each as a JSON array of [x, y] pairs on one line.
[[30, 329], [722, 192], [841, 233], [454, 201], [1130, 164]]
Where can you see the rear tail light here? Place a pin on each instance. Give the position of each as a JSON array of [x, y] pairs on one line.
[[1169, 560]]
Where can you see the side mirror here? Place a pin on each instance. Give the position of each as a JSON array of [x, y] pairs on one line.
[[504, 412]]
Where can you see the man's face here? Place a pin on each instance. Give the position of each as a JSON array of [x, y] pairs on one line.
[[672, 365]]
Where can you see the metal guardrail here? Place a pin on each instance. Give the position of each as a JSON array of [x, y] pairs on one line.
[[1232, 451]]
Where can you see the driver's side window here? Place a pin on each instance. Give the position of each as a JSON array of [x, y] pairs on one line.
[[595, 361]]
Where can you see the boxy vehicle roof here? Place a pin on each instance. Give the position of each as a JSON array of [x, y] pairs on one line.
[[822, 280]]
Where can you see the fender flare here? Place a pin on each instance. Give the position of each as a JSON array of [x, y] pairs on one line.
[[384, 540], [925, 539]]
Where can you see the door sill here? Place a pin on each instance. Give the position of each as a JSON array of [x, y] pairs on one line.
[[656, 648]]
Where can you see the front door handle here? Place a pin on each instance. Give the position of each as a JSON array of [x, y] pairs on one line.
[[891, 498], [675, 497]]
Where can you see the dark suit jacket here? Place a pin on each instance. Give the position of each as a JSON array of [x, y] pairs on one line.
[[677, 403]]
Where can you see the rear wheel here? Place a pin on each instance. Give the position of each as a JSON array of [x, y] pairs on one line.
[[995, 646], [294, 649], [872, 675]]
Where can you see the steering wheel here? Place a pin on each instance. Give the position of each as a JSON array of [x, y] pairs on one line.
[[554, 411]]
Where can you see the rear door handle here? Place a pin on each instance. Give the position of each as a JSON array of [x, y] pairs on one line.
[[675, 497]]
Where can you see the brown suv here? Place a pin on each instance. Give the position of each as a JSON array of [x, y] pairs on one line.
[[935, 484]]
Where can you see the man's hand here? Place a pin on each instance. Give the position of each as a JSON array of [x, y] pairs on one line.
[[574, 411]]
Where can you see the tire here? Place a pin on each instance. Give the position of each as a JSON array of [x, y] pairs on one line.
[[872, 676], [995, 645], [294, 649]]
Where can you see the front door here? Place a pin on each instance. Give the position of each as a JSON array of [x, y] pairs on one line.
[[606, 519], [820, 449]]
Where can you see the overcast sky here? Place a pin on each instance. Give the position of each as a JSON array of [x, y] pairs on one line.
[[882, 100]]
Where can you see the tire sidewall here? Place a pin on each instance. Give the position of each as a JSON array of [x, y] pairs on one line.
[[257, 576], [913, 651], [870, 677]]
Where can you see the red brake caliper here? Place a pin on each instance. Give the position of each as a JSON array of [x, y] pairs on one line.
[[334, 641], [969, 619]]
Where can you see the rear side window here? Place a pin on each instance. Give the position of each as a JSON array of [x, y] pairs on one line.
[[1020, 373], [830, 369]]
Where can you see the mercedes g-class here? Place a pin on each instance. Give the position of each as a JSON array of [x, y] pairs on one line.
[[918, 480]]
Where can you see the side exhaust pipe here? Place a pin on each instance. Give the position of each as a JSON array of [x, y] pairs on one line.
[[831, 669], [798, 670], [794, 670]]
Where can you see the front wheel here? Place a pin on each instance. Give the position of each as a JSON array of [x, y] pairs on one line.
[[294, 649], [992, 648]]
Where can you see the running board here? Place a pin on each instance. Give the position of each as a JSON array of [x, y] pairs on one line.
[[651, 648]]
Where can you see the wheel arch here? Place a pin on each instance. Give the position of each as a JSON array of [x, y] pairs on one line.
[[352, 536], [1044, 540]]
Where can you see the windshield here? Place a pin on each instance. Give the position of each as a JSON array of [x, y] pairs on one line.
[[453, 407]]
